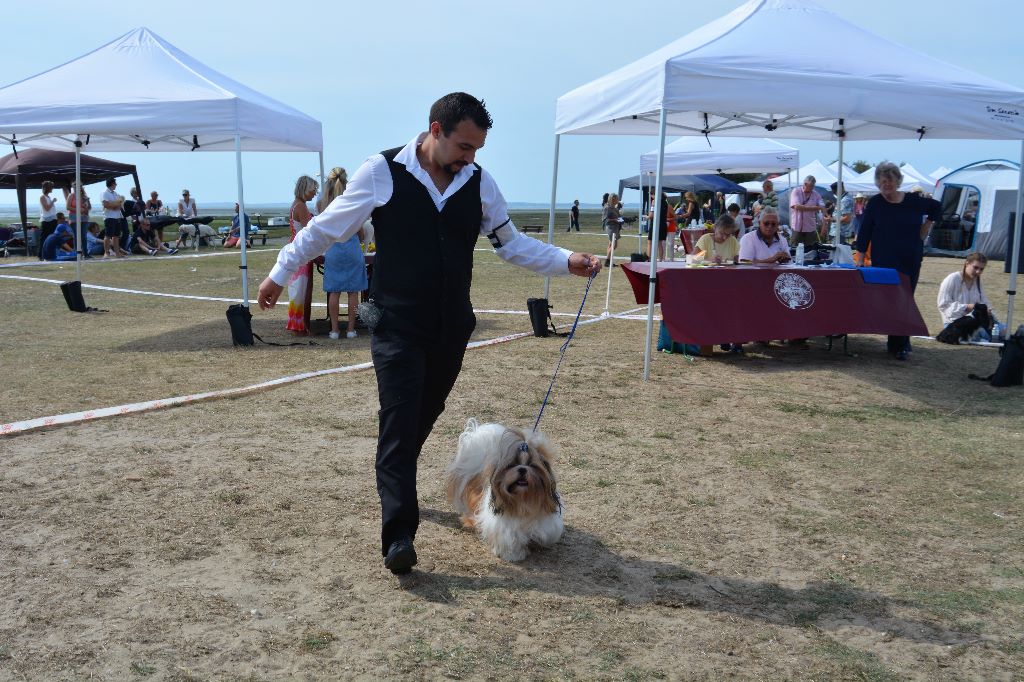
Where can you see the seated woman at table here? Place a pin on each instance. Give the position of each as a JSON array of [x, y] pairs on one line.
[[765, 245], [960, 293], [719, 246]]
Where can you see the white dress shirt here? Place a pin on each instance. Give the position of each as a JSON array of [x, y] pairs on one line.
[[371, 186]]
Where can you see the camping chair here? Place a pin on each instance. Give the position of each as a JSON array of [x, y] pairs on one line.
[[10, 243]]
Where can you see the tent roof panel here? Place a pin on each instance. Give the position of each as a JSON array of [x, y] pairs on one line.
[[184, 98], [707, 81]]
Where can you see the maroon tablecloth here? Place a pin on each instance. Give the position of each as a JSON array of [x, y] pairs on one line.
[[739, 303]]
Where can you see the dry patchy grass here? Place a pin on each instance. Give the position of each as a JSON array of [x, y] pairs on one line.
[[784, 515]]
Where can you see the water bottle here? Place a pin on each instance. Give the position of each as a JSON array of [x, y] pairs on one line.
[[997, 332], [799, 260], [693, 223]]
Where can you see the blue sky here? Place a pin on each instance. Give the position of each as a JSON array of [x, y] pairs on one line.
[[369, 72]]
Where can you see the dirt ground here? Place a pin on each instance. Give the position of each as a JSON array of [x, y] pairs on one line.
[[784, 515]]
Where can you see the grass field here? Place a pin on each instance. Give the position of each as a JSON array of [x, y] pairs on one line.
[[783, 515]]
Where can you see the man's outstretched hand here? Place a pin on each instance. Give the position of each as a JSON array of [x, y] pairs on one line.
[[581, 264], [268, 294]]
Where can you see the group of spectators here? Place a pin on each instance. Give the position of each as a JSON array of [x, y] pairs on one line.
[[127, 227]]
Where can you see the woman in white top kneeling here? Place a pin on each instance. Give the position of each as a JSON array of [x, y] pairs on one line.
[[961, 292]]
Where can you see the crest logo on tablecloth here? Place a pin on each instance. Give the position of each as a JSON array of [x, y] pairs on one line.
[[793, 291]]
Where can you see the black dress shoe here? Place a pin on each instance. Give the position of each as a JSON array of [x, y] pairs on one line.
[[401, 556]]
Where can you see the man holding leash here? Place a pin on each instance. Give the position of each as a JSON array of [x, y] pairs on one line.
[[429, 202]]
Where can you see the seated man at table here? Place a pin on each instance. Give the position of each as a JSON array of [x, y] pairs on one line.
[[719, 246], [765, 245]]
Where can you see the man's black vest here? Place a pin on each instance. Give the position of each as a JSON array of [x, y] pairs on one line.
[[424, 264]]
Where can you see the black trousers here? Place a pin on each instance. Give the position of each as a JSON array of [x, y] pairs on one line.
[[894, 344], [414, 377]]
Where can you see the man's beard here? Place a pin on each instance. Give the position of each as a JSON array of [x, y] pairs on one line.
[[452, 168]]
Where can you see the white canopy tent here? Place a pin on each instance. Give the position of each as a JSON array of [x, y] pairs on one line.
[[702, 84], [833, 168], [697, 156], [939, 172], [865, 182], [185, 106], [916, 177], [822, 175]]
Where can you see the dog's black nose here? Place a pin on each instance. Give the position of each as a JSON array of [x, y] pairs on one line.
[[521, 470]]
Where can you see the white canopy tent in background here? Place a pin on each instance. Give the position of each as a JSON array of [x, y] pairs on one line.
[[184, 106], [939, 172], [911, 174], [833, 168], [697, 156], [822, 176], [704, 84], [865, 182]]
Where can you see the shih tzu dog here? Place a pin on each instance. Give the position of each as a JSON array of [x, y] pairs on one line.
[[502, 484]]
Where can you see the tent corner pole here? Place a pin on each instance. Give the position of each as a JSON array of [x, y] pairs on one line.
[[78, 210], [323, 178], [655, 231], [243, 229], [836, 217], [551, 212], [1011, 290]]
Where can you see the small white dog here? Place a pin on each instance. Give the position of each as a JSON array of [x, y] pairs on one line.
[[502, 484]]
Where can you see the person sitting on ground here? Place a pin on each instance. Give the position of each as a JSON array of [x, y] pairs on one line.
[[93, 241], [145, 241], [233, 240], [57, 246], [765, 245], [719, 246], [960, 293]]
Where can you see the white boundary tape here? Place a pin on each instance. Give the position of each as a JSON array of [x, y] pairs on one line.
[[192, 297], [25, 426], [138, 258]]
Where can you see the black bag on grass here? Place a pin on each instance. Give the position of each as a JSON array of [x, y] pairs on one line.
[[540, 317], [240, 320], [242, 334], [73, 297], [1010, 371]]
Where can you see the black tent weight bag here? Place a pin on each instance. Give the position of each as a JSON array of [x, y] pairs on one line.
[[540, 317], [73, 297], [1010, 371], [240, 320]]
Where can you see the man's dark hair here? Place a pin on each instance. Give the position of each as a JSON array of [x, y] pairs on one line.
[[456, 107]]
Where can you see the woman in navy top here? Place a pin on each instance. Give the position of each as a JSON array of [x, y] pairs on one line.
[[895, 225]]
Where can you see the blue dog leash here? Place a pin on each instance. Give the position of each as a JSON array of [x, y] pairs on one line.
[[565, 347]]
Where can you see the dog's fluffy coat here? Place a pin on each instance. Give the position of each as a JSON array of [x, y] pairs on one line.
[[506, 491]]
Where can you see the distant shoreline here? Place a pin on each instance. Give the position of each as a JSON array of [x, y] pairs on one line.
[[9, 212]]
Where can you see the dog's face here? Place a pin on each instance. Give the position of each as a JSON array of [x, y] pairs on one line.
[[522, 480]]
